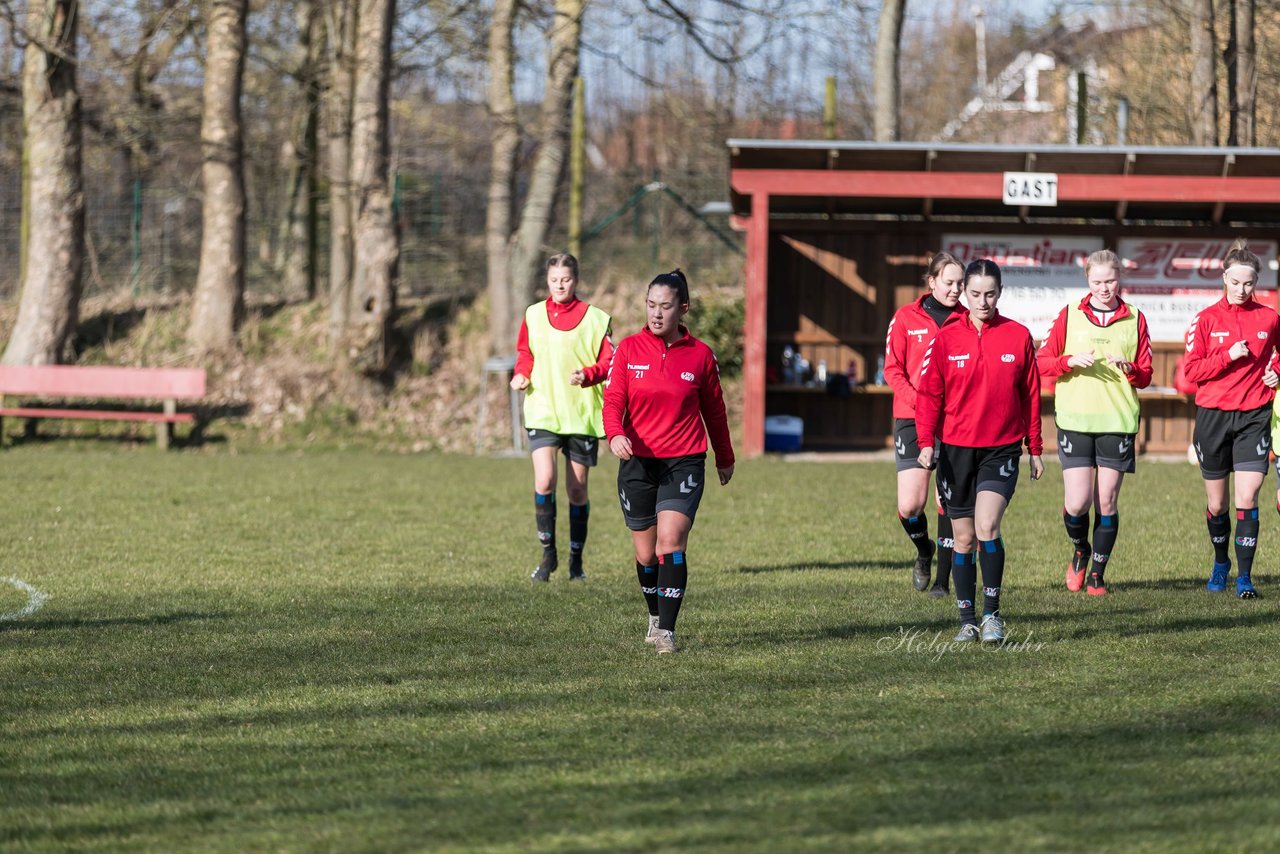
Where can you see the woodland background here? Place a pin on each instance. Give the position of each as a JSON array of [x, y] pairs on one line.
[[340, 208]]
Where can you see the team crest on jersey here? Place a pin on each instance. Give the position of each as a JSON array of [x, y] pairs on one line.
[[1007, 357], [1262, 336], [687, 376]]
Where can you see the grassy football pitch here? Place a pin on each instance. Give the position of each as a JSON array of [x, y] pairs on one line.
[[342, 651]]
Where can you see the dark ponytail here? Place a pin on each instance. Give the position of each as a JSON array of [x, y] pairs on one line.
[[674, 280]]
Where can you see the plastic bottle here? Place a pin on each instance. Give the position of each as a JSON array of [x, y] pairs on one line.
[[880, 371]]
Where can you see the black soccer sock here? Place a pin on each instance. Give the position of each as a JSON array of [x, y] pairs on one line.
[[1105, 531], [544, 512], [946, 545], [648, 576], [673, 574], [578, 516], [991, 556], [1077, 530], [1219, 534], [964, 580], [1246, 540], [917, 528]]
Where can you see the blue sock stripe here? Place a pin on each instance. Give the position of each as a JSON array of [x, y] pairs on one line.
[[962, 558], [1247, 515], [1076, 520], [677, 557], [650, 569], [990, 546], [539, 498], [579, 511], [1107, 521]]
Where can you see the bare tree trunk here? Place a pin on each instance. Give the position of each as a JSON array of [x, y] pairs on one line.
[[1229, 59], [503, 148], [535, 218], [340, 25], [376, 242], [1204, 83], [886, 81], [219, 297], [1246, 117], [296, 252], [53, 192]]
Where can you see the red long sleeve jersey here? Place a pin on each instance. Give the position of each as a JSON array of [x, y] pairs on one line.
[[564, 317], [910, 332], [984, 383], [1225, 384], [660, 397], [1053, 361]]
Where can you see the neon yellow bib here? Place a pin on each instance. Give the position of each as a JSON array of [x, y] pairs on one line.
[[551, 403], [1099, 398]]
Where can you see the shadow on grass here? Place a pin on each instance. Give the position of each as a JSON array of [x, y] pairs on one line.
[[800, 566], [111, 622], [1187, 582]]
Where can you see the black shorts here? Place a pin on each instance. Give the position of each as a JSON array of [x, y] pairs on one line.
[[1227, 441], [647, 485], [1097, 450], [905, 446], [964, 472], [580, 449]]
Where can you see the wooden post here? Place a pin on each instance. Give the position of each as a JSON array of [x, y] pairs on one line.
[[754, 344], [829, 110], [164, 427]]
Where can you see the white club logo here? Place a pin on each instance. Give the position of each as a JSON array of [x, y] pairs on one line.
[[1007, 357], [687, 376]]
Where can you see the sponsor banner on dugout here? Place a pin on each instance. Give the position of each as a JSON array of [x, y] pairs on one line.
[[1041, 273]]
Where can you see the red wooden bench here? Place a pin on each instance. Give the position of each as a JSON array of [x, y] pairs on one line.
[[63, 382]]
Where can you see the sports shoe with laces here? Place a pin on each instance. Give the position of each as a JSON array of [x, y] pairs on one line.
[[575, 568], [1244, 587], [1096, 586], [992, 628], [652, 634], [968, 632], [1076, 569], [1218, 577], [920, 572], [547, 566], [665, 642]]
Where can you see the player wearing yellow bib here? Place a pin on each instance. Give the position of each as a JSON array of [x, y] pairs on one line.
[[562, 355], [1100, 352]]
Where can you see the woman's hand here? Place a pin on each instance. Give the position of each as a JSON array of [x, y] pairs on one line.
[[1080, 360], [519, 382], [1238, 350], [1119, 363], [926, 458], [1037, 467], [578, 377], [621, 447], [1270, 378], [726, 474]]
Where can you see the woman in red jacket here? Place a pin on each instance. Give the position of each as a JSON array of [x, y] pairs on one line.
[[910, 331], [662, 401], [979, 378], [1230, 345], [1099, 350]]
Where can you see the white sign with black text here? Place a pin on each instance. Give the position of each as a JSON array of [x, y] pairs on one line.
[[1034, 189]]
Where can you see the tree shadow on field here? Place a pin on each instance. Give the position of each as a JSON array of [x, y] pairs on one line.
[[111, 622], [804, 565]]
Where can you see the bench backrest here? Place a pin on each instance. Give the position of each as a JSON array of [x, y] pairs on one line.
[[102, 381]]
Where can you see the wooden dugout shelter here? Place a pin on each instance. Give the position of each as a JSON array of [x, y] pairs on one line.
[[839, 234]]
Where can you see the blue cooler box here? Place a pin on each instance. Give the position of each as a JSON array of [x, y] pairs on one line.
[[783, 433]]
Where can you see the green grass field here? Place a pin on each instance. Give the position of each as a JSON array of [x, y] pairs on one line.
[[341, 651]]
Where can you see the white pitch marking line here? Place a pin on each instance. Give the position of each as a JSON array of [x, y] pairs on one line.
[[35, 599]]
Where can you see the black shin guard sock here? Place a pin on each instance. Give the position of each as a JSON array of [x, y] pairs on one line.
[[1077, 530], [991, 556], [1246, 540], [578, 516], [648, 576], [673, 574], [964, 580], [1219, 535], [946, 545], [917, 528], [544, 513], [1105, 531]]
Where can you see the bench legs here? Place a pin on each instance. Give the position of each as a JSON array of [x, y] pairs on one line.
[[164, 429]]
